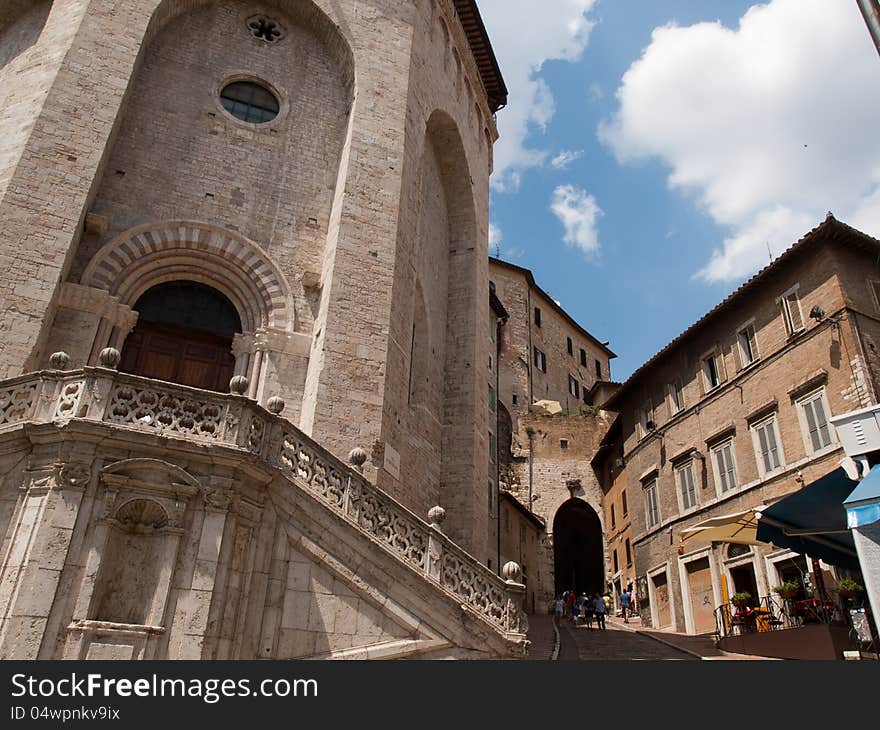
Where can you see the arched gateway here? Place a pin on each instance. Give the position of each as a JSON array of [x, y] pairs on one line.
[[577, 549]]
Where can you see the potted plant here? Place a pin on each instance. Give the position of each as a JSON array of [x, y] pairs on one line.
[[788, 590], [742, 599], [847, 588]]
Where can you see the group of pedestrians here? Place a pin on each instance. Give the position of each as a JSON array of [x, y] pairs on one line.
[[587, 609]]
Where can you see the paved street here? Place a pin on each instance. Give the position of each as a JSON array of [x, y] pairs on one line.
[[581, 643]]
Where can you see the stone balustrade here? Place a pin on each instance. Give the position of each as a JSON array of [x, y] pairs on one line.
[[130, 402]]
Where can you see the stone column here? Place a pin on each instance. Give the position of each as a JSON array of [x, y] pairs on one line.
[[38, 549], [198, 600]]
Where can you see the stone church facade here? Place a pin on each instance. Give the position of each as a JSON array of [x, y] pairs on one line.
[[243, 240]]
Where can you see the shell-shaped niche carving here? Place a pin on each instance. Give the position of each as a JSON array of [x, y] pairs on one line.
[[142, 513]]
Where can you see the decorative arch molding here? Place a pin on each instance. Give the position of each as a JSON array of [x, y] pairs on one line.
[[443, 132], [330, 31], [155, 253], [152, 470]]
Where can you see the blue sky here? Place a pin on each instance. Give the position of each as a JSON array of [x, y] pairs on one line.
[[655, 153]]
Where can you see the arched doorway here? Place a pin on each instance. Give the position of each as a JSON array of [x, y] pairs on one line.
[[578, 556], [183, 335]]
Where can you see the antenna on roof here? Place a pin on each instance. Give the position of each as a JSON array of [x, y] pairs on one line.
[[498, 249], [769, 252]]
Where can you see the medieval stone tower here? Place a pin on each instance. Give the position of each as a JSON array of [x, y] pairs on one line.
[[288, 194]]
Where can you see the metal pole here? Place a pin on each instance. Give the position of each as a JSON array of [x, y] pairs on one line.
[[871, 13]]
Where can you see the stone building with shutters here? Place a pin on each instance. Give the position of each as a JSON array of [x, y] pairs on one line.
[[283, 199], [734, 413]]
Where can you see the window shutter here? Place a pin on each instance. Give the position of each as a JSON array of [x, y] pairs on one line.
[[796, 322]]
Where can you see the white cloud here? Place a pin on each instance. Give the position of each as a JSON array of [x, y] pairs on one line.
[[495, 237], [565, 158], [578, 212], [524, 38], [768, 125]]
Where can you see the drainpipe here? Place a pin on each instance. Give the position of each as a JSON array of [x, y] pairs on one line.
[[871, 13]]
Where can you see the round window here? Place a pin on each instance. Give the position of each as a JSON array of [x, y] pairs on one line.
[[249, 102]]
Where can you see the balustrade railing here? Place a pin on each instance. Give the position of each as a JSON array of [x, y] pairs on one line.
[[175, 411]]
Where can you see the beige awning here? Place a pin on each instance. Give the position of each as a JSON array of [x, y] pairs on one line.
[[740, 527]]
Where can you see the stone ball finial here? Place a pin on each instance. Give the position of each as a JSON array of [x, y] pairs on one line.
[[436, 516], [109, 358], [275, 404], [356, 457], [59, 360], [238, 385], [511, 572]]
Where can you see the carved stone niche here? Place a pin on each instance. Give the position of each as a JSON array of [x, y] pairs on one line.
[[120, 613]]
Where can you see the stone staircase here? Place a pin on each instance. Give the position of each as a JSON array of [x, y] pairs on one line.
[[339, 530]]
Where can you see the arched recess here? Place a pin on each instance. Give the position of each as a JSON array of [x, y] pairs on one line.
[[21, 23], [135, 548], [578, 554], [153, 254], [420, 385], [465, 307], [184, 334], [302, 11]]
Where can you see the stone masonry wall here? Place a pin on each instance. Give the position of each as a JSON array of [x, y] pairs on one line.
[[553, 468]]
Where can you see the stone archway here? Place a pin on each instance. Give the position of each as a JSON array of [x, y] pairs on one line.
[[184, 335], [578, 555]]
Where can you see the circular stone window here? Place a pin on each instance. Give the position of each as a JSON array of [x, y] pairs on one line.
[[250, 102]]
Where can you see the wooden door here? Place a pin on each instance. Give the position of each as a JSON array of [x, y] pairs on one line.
[[179, 355], [661, 611], [699, 576]]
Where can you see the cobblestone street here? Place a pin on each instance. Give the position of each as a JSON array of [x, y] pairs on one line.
[[581, 643]]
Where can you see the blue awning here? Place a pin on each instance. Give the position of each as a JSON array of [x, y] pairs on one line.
[[813, 521], [863, 505]]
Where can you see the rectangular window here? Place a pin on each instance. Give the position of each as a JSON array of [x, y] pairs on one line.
[[676, 397], [490, 362], [563, 444], [598, 369], [725, 469], [491, 497], [652, 506], [574, 387], [875, 289], [814, 421], [514, 399], [623, 502], [748, 345], [583, 357], [791, 312], [685, 476], [711, 372], [570, 345], [646, 419], [492, 399], [586, 394], [616, 562], [612, 517], [628, 548], [537, 317], [767, 449], [540, 360], [492, 447]]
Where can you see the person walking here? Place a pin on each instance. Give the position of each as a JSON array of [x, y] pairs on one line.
[[588, 611], [557, 607], [625, 603], [599, 611], [572, 606]]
